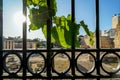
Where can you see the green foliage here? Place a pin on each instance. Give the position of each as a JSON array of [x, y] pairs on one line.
[[63, 29], [89, 33], [38, 17], [39, 12]]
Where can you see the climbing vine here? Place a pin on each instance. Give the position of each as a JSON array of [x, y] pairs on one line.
[[61, 32]]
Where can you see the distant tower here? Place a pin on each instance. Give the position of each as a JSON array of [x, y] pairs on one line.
[[115, 20]]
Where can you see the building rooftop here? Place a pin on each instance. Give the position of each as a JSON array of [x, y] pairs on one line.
[[116, 14]]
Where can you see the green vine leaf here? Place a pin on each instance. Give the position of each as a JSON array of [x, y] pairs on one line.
[[44, 30], [38, 17], [89, 33]]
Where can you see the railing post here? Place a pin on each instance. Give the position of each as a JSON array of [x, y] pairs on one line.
[[1, 37], [97, 39], [73, 37], [24, 40], [49, 25]]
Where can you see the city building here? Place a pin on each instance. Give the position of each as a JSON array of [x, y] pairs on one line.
[[115, 20], [108, 38], [17, 43], [104, 33], [82, 42], [111, 33], [117, 37], [8, 44], [31, 45], [105, 42]]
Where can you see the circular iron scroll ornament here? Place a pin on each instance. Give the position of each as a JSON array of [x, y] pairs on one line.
[[103, 59], [41, 56], [84, 72], [7, 55], [66, 70]]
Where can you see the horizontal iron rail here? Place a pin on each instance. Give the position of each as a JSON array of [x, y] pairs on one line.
[[60, 77], [67, 50]]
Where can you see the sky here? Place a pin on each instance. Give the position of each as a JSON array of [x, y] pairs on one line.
[[84, 10]]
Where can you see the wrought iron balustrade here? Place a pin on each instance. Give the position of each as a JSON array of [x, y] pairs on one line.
[[17, 64]]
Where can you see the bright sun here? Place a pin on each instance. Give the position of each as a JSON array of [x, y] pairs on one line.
[[19, 18]]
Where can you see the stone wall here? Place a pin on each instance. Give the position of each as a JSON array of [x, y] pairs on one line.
[[117, 37], [105, 42], [115, 20]]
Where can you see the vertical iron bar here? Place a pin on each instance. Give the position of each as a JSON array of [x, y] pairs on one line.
[[97, 24], [49, 25], [97, 39], [24, 40], [73, 21], [73, 37], [1, 36]]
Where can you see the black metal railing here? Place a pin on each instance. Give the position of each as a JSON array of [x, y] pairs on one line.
[[47, 70]]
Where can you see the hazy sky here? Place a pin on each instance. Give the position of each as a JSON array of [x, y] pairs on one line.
[[85, 10]]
